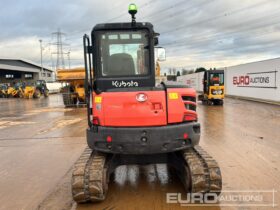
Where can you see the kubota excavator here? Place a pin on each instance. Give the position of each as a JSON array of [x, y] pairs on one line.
[[132, 121]]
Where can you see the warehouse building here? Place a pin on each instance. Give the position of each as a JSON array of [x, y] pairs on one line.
[[19, 70], [258, 80]]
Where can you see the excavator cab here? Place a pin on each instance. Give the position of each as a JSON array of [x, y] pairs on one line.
[[132, 121], [123, 56]]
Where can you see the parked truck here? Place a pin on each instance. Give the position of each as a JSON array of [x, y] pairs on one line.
[[74, 91]]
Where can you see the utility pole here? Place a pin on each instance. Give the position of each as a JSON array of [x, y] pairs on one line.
[[40, 40], [68, 55]]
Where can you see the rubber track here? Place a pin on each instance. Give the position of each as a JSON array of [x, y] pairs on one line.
[[89, 177], [204, 171]]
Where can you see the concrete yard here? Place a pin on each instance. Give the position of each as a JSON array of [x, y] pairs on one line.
[[40, 140]]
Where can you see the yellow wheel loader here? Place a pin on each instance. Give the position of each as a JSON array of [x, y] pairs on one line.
[[13, 92], [27, 92], [33, 90]]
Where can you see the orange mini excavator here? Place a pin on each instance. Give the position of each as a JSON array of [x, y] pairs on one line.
[[132, 121]]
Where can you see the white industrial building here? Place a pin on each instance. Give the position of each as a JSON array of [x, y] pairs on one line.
[[257, 80]]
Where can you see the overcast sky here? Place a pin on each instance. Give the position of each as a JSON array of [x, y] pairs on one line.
[[208, 33]]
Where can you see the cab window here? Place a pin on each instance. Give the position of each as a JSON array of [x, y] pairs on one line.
[[124, 53]]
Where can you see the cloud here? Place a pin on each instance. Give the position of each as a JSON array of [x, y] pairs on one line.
[[22, 47], [208, 33]]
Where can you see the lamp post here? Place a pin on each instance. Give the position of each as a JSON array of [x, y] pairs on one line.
[[40, 40], [68, 54]]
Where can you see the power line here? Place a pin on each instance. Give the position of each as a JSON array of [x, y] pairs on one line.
[[110, 20], [177, 49], [178, 11], [184, 9], [203, 44], [215, 17], [203, 21], [216, 36]]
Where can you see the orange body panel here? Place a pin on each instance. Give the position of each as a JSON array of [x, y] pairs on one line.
[[121, 109], [176, 106]]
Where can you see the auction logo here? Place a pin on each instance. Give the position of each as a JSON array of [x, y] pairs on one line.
[[246, 80], [237, 198], [256, 79]]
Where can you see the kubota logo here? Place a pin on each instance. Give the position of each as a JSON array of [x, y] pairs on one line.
[[141, 97]]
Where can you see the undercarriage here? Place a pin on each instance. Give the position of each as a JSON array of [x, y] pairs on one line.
[[198, 171]]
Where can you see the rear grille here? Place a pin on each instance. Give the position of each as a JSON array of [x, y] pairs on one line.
[[190, 107], [190, 102], [189, 98]]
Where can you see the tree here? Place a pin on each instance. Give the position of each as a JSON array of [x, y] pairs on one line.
[[178, 73], [169, 71], [212, 69], [184, 71], [174, 71], [200, 69], [191, 71]]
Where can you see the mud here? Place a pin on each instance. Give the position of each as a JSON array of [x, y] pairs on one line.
[[5, 124], [35, 166], [33, 162]]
